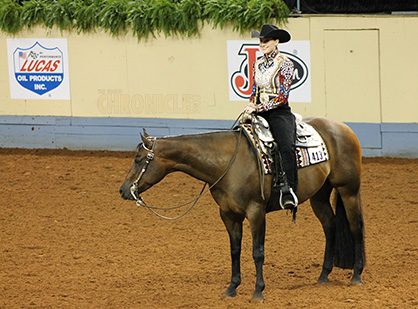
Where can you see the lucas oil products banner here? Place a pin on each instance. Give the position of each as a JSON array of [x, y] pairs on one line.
[[38, 69]]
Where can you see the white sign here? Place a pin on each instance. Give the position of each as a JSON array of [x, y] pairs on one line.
[[241, 56], [38, 69]]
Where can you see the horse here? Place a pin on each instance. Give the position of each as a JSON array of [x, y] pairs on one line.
[[230, 167]]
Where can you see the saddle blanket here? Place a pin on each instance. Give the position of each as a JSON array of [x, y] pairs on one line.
[[307, 153]]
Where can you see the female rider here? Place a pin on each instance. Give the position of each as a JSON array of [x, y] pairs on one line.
[[273, 76]]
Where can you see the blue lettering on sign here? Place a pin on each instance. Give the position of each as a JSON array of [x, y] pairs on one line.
[[39, 83]]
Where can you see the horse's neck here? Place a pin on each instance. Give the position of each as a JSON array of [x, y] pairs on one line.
[[203, 156]]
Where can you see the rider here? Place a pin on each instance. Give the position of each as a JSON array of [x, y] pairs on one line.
[[273, 76]]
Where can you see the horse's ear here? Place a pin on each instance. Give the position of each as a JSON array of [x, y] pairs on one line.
[[147, 142], [145, 133]]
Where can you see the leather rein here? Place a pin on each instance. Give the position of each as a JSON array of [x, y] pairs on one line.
[[150, 156]]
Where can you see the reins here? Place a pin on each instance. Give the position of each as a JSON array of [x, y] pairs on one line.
[[150, 156]]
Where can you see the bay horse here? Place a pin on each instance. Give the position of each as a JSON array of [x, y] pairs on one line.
[[207, 156]]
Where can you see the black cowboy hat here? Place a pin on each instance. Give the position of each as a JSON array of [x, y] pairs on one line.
[[271, 32]]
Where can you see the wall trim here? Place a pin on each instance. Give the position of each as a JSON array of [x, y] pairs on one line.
[[122, 134]]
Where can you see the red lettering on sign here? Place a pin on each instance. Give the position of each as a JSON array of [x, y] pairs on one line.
[[251, 56], [55, 65], [31, 67], [40, 66], [23, 69], [48, 66], [243, 80], [37, 65]]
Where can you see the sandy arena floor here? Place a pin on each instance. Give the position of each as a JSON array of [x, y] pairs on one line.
[[69, 241]]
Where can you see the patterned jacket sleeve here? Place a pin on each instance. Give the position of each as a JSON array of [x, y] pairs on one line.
[[283, 82], [254, 87]]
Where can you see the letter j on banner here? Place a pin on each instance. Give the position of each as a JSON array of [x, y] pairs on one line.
[[38, 69], [241, 56]]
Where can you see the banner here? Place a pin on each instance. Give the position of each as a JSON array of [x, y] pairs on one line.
[[241, 56], [38, 69]]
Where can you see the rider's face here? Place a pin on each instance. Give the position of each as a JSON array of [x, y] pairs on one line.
[[267, 45]]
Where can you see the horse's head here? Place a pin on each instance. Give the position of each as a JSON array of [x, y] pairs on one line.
[[147, 170]]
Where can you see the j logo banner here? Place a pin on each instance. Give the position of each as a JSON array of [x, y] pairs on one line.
[[241, 56]]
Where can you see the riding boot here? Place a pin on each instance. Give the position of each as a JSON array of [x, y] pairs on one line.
[[288, 198], [282, 193]]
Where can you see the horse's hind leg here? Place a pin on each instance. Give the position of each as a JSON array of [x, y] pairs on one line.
[[234, 228], [321, 206]]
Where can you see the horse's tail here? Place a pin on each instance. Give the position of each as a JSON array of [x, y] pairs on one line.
[[344, 242]]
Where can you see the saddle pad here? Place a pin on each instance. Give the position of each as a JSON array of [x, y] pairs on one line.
[[305, 156]]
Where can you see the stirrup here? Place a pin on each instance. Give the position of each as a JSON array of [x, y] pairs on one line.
[[288, 203]]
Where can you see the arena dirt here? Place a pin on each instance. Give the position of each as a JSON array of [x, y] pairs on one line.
[[67, 240]]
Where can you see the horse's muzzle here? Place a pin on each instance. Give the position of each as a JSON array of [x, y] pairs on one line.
[[125, 193]]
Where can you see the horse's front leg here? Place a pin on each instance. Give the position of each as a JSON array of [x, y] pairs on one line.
[[234, 228], [257, 219]]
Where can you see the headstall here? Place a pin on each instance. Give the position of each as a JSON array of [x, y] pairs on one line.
[[150, 156]]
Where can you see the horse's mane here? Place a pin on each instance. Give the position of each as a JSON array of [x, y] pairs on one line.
[[196, 134], [187, 136]]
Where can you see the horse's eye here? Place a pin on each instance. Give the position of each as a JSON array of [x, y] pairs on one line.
[[137, 160]]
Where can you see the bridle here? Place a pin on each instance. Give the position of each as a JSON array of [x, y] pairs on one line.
[[150, 156]]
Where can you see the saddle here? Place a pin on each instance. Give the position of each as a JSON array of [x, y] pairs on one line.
[[310, 149]]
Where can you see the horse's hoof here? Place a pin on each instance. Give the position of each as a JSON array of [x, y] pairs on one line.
[[227, 296], [323, 280], [230, 294], [356, 281], [258, 298]]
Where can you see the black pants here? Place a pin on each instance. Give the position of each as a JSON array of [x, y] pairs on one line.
[[283, 127]]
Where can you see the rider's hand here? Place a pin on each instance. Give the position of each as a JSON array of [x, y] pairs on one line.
[[250, 108]]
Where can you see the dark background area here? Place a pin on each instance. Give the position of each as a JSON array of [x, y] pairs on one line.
[[353, 6]]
